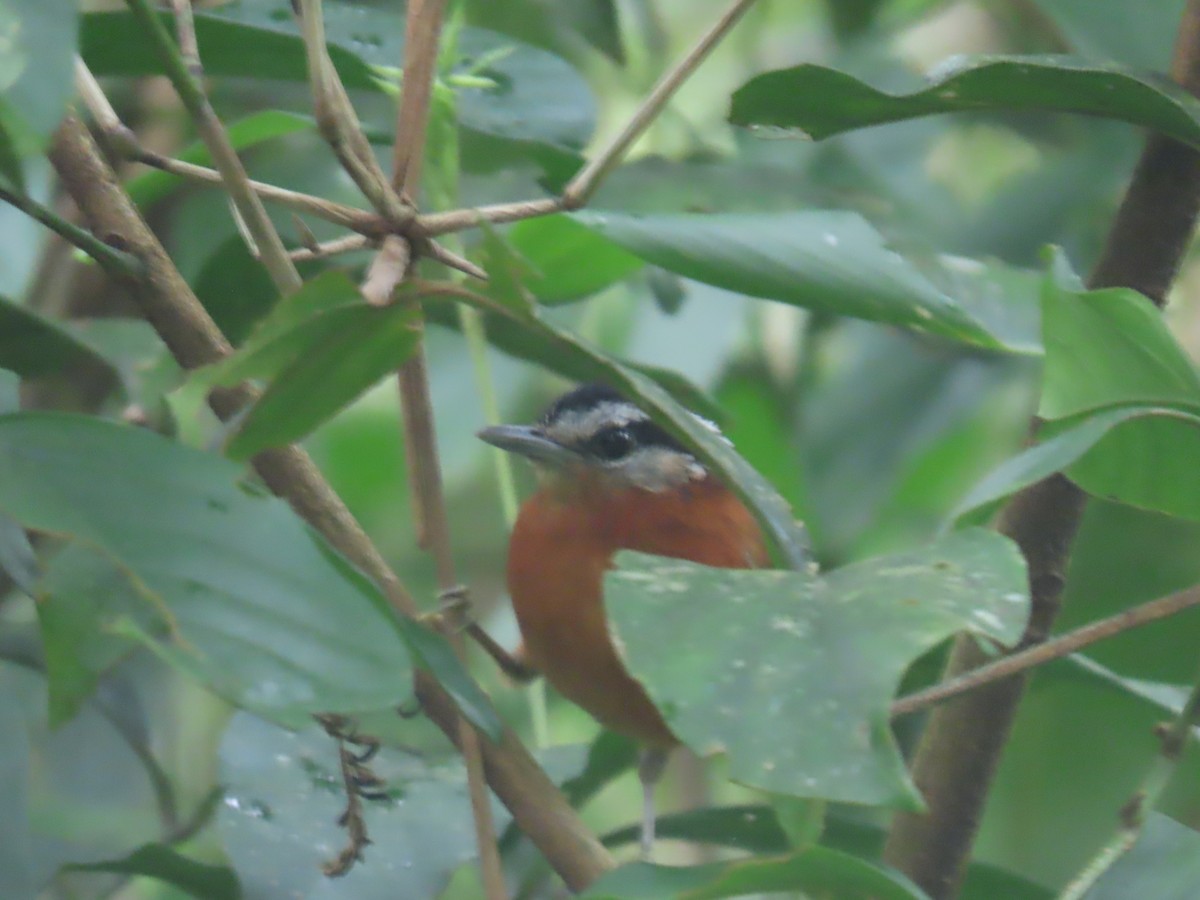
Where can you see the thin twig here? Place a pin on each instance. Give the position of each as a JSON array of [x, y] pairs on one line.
[[359, 220], [270, 247], [113, 261], [433, 224], [453, 260], [422, 37], [338, 122], [324, 250], [1040, 654], [94, 98], [580, 189]]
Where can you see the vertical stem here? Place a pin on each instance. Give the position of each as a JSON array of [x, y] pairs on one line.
[[423, 28]]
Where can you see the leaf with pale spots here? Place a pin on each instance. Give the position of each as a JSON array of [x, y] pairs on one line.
[[791, 673], [283, 796]]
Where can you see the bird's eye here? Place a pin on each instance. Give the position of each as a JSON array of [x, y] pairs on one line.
[[612, 443]]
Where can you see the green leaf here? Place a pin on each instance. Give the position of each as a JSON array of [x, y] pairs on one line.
[[283, 797], [569, 261], [16, 782], [1061, 444], [82, 600], [319, 350], [200, 880], [10, 391], [1050, 807], [827, 261], [1140, 455], [32, 345], [817, 871], [519, 93], [36, 70], [821, 102], [788, 694], [784, 535], [1124, 556], [1109, 347], [151, 186], [255, 605], [17, 559], [754, 829], [435, 655]]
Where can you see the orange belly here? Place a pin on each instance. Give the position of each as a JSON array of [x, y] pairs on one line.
[[562, 545]]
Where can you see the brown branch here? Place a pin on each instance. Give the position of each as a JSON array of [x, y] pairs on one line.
[[1040, 654], [194, 340], [338, 122], [422, 36], [421, 44], [327, 249], [961, 746], [433, 224]]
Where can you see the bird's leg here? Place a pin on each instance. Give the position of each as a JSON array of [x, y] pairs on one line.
[[454, 607], [511, 664], [651, 763]]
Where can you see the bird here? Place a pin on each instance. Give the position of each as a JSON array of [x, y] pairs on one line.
[[609, 479]]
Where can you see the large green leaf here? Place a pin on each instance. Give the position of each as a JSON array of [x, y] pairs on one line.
[[1051, 807], [251, 602], [1108, 347], [36, 67], [522, 93], [1124, 556], [319, 350], [818, 872], [784, 534], [791, 673], [827, 261], [1140, 455], [16, 878], [283, 797], [83, 598], [569, 261], [32, 345], [821, 102], [1123, 398]]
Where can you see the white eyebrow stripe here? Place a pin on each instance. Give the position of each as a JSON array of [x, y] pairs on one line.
[[577, 425]]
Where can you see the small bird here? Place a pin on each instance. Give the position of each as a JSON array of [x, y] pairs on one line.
[[609, 479]]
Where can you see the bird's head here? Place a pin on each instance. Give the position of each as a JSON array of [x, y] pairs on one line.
[[593, 435]]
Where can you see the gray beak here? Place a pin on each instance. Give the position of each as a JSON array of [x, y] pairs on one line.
[[527, 441]]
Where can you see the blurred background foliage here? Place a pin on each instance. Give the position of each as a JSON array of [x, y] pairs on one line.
[[872, 432]]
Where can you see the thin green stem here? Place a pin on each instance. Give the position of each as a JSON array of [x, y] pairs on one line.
[[112, 260], [268, 245]]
